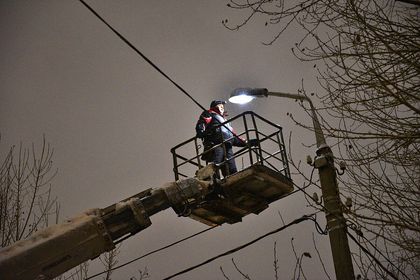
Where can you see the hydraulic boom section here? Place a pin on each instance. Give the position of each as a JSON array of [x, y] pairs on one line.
[[56, 249], [204, 196]]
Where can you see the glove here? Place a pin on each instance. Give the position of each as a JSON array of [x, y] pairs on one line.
[[253, 142]]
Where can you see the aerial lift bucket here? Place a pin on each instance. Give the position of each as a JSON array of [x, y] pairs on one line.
[[263, 173]]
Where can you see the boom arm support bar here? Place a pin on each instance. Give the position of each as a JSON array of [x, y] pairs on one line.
[[56, 249]]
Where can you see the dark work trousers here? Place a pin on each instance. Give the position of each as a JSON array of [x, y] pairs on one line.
[[219, 156]]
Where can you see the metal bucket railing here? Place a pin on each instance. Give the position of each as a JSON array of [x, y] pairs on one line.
[[270, 150]]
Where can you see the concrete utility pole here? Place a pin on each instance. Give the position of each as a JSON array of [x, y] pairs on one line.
[[324, 162], [335, 220]]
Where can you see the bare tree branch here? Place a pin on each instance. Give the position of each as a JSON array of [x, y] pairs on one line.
[[366, 55]]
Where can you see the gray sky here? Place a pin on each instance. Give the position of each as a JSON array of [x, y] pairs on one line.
[[112, 118]]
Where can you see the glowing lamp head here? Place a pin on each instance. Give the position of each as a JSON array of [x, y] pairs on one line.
[[245, 95], [241, 99]]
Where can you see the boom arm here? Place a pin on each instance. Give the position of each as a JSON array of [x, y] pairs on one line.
[[56, 249]]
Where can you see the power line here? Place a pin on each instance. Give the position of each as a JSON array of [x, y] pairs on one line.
[[294, 222], [199, 105], [372, 256], [302, 189], [319, 230], [141, 54], [152, 252]]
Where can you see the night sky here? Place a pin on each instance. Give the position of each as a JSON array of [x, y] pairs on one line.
[[112, 118]]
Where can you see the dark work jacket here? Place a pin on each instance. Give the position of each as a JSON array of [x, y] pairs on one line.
[[209, 129]]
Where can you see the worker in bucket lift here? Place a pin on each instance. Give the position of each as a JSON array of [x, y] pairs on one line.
[[210, 130]]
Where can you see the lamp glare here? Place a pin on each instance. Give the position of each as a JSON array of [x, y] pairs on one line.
[[241, 99]]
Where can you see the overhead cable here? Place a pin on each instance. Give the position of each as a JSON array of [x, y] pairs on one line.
[[294, 222], [152, 252], [372, 256], [141, 54], [364, 249]]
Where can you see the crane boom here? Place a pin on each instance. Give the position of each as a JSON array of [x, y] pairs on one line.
[[54, 250], [207, 198]]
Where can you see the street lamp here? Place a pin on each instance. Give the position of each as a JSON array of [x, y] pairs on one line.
[[245, 95], [324, 162]]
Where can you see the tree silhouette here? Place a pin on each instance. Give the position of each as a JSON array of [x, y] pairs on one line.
[[367, 55], [26, 204]]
